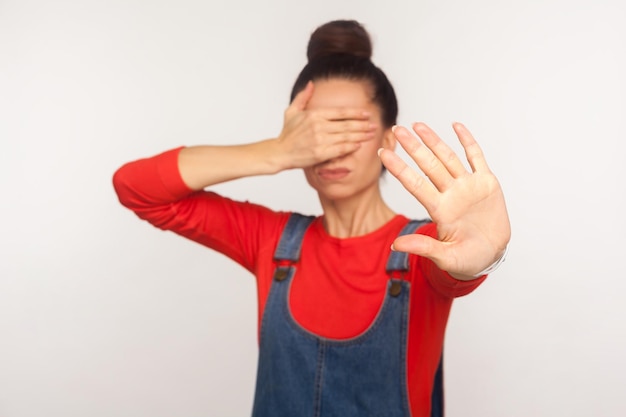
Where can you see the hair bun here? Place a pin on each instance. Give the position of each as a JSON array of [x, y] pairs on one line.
[[339, 37]]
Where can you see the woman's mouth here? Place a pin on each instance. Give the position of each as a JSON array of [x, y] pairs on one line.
[[333, 174]]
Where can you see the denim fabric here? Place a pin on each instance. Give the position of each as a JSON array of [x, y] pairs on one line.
[[303, 374], [436, 399]]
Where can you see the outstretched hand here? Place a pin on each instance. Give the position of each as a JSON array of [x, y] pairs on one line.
[[468, 208]]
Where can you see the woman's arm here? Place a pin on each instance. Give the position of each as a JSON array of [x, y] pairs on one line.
[[307, 138], [153, 189], [165, 189], [203, 166]]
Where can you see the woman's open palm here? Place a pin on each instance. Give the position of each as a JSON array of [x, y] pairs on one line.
[[468, 208]]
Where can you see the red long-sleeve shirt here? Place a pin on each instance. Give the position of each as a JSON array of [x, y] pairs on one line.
[[340, 283]]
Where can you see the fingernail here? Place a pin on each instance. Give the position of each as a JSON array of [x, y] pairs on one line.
[[380, 150], [393, 128], [392, 248]]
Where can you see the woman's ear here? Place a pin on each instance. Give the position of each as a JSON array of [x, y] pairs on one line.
[[389, 139]]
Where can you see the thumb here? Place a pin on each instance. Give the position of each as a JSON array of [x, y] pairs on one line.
[[415, 243], [302, 98], [439, 252]]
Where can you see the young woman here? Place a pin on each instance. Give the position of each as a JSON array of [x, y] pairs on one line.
[[349, 324]]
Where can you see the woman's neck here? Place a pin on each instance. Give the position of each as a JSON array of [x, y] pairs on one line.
[[355, 216]]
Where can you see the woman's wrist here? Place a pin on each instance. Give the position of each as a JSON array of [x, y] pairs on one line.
[[275, 155], [491, 268]]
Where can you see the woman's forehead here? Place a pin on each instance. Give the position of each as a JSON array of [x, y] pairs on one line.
[[339, 92]]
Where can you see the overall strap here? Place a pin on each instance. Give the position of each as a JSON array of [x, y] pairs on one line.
[[288, 248], [399, 261]]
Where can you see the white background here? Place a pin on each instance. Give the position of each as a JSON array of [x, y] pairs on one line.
[[103, 315]]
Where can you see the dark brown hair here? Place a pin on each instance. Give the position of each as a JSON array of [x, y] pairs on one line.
[[342, 49]]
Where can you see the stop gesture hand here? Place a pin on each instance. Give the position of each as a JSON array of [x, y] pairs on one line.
[[468, 208]]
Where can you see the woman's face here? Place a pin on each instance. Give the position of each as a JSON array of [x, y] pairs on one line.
[[358, 172]]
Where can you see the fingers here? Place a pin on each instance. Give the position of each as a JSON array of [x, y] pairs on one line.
[[443, 152], [301, 99], [415, 243], [339, 150], [352, 124], [425, 246], [342, 126], [428, 162], [324, 133], [340, 144], [335, 126], [424, 158], [436, 159], [414, 183], [473, 152]]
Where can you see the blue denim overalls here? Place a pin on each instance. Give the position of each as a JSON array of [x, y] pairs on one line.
[[302, 374]]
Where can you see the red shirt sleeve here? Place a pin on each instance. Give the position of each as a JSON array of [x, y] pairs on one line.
[[440, 280], [154, 190]]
